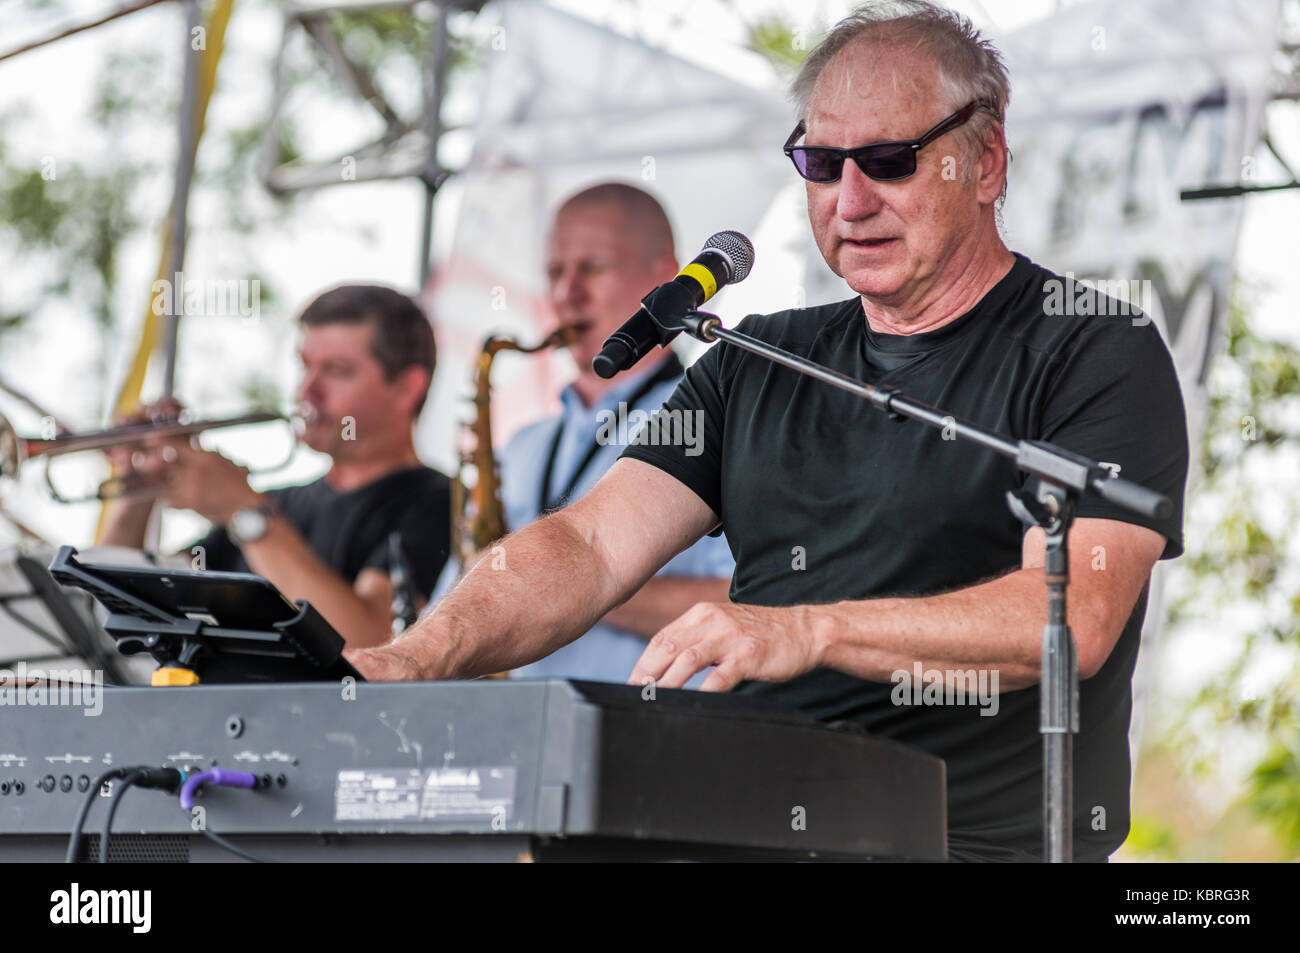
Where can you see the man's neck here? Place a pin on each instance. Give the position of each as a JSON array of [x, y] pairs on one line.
[[358, 470], [970, 276]]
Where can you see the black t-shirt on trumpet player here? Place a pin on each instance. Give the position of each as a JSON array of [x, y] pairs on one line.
[[886, 508], [349, 531]]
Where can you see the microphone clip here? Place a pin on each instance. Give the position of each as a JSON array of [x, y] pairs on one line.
[[700, 325], [666, 305]]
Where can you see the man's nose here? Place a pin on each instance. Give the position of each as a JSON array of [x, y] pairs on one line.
[[568, 288], [859, 195], [309, 387]]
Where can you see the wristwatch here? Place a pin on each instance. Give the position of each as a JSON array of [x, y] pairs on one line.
[[250, 523]]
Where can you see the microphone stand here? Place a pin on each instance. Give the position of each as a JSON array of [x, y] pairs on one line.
[[1064, 477]]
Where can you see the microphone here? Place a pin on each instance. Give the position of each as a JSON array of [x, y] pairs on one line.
[[727, 258]]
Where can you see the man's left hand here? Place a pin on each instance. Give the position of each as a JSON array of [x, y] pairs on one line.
[[744, 642], [209, 484]]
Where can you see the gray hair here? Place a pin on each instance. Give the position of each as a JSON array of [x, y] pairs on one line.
[[970, 67]]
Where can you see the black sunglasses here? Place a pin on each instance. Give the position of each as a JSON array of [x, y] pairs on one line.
[[883, 161]]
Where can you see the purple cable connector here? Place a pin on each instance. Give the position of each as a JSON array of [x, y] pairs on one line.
[[231, 779]]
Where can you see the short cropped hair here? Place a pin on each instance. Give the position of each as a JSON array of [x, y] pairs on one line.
[[400, 335], [640, 209]]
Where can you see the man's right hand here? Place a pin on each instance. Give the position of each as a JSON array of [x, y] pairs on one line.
[[389, 663], [138, 468]]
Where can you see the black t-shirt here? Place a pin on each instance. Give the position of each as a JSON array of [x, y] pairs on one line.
[[349, 531], [825, 498]]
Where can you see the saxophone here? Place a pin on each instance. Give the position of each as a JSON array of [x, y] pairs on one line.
[[478, 517]]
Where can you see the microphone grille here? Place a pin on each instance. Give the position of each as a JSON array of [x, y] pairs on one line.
[[738, 249]]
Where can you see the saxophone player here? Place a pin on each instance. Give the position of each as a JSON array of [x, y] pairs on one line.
[[607, 246]]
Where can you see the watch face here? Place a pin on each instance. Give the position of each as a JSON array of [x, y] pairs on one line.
[[249, 525]]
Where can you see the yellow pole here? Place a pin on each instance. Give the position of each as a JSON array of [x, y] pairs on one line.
[[128, 396]]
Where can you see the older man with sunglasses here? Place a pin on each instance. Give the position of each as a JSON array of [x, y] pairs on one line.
[[876, 563]]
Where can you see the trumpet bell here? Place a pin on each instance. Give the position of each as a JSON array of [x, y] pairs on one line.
[[11, 449]]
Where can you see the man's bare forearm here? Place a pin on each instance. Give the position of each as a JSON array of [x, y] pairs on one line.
[[999, 624], [663, 599], [541, 588], [284, 557], [532, 593], [996, 625]]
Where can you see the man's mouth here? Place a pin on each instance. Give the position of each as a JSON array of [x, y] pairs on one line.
[[305, 416], [583, 328], [869, 242]]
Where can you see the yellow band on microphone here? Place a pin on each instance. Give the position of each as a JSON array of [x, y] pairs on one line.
[[703, 276]]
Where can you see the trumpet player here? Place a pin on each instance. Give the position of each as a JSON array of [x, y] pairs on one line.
[[367, 361], [607, 245]]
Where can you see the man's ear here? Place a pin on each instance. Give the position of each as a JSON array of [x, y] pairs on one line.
[[412, 382], [992, 168]]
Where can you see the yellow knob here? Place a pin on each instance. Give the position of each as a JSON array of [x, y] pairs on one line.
[[168, 675]]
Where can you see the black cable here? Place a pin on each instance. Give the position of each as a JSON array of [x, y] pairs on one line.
[[165, 779], [132, 776], [74, 841], [222, 842]]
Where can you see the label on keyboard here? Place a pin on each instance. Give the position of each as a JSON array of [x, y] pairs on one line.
[[478, 796], [393, 795], [484, 795]]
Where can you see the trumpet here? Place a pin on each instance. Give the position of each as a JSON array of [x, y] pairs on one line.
[[15, 450]]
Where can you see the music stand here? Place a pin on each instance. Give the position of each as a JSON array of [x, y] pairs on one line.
[[43, 624], [222, 627]]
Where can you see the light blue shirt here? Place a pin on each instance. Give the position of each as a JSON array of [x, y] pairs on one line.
[[604, 653]]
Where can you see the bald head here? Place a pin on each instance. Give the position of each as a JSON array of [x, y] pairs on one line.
[[641, 214], [608, 247]]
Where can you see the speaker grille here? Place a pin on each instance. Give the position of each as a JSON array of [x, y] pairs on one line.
[[138, 849]]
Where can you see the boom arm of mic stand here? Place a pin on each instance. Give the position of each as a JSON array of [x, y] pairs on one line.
[[1065, 477]]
